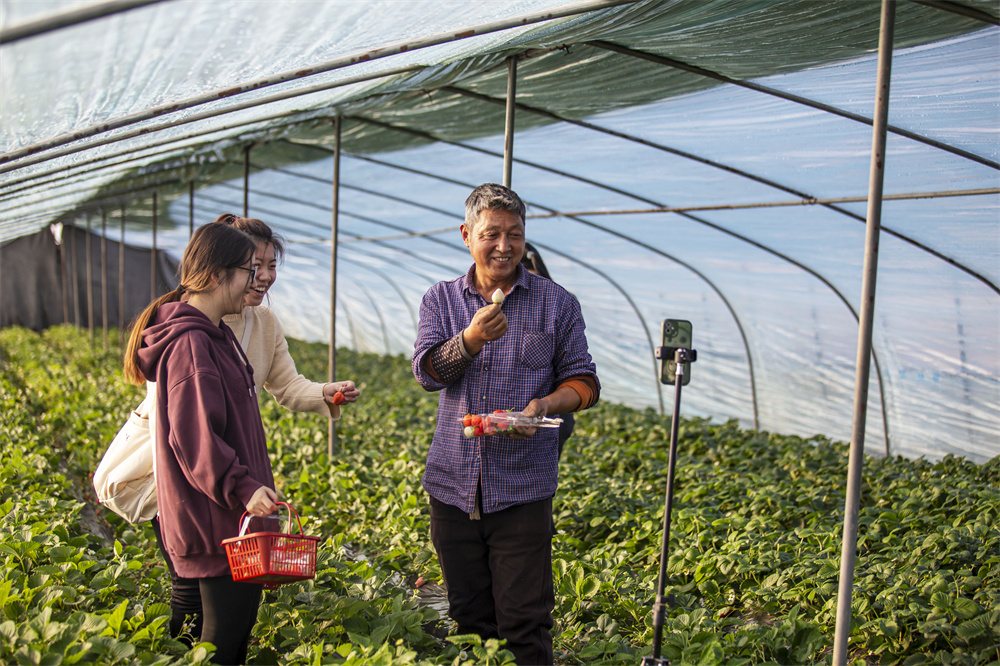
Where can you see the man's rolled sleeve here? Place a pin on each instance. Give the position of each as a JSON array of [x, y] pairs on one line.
[[449, 360], [429, 335], [439, 358], [573, 357]]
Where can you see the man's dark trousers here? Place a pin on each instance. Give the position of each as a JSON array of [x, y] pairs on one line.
[[498, 571]]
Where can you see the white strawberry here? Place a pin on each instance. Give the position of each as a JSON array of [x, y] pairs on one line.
[[498, 296]]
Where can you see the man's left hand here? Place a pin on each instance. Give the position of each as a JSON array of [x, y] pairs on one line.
[[536, 407]]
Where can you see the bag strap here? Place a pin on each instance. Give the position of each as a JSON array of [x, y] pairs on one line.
[[242, 355], [248, 326], [145, 408]]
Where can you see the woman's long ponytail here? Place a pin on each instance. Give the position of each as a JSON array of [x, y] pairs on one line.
[[131, 365]]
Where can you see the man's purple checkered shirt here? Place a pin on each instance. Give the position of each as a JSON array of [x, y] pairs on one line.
[[544, 345]]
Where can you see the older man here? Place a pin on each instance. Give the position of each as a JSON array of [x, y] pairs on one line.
[[491, 497]]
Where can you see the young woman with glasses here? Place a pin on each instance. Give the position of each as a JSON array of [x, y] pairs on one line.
[[210, 455]]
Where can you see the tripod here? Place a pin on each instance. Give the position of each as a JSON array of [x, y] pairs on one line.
[[681, 356]]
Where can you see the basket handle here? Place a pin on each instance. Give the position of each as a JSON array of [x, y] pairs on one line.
[[245, 519]]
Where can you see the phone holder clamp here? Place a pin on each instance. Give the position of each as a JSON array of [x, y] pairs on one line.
[[686, 355]]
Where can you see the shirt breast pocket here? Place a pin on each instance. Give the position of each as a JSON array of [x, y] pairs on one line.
[[537, 350]]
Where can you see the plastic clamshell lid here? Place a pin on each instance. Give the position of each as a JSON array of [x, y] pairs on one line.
[[499, 423]]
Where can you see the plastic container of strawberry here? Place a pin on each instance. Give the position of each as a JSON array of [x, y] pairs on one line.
[[503, 422]]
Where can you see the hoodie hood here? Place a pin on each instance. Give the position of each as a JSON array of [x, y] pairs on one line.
[[171, 321]]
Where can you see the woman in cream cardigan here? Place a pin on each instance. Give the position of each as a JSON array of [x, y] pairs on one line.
[[263, 340]]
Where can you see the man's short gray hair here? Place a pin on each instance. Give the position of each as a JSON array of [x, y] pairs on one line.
[[493, 197]]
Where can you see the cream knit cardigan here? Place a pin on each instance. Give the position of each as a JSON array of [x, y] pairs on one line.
[[273, 367]]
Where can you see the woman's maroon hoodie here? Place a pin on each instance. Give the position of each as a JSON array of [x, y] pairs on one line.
[[210, 452]]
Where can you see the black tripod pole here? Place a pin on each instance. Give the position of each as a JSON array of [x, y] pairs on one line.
[[660, 606]]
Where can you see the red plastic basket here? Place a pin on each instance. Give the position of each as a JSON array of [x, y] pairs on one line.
[[272, 558]]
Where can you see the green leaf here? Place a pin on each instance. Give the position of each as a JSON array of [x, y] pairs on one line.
[[587, 587], [709, 588], [115, 617], [465, 639], [121, 651], [712, 654], [971, 629], [200, 653], [940, 600], [93, 624], [157, 610], [379, 635], [965, 609], [8, 630], [28, 655]]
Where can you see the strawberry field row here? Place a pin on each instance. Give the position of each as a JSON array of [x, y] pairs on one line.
[[754, 553]]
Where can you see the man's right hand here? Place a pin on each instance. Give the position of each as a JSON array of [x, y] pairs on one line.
[[488, 324]]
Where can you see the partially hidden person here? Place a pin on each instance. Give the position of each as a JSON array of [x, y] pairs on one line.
[[491, 496], [210, 457]]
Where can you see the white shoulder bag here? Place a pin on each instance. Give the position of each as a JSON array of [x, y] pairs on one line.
[[124, 480]]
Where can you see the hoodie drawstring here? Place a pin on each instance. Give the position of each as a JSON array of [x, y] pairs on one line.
[[251, 387]]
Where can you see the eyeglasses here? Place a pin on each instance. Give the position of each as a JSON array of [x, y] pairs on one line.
[[251, 271]]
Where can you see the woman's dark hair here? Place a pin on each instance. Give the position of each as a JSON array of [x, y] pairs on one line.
[[213, 248], [533, 261], [256, 229]]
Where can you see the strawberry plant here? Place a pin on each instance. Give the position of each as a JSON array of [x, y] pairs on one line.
[[754, 555]]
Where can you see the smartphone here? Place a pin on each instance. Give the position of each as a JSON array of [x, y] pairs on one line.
[[674, 333]]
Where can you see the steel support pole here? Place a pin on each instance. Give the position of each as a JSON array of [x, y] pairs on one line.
[[876, 175], [89, 272], [74, 278], [331, 445], [246, 182], [104, 278], [152, 255], [64, 262], [191, 208], [121, 281], [508, 142]]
